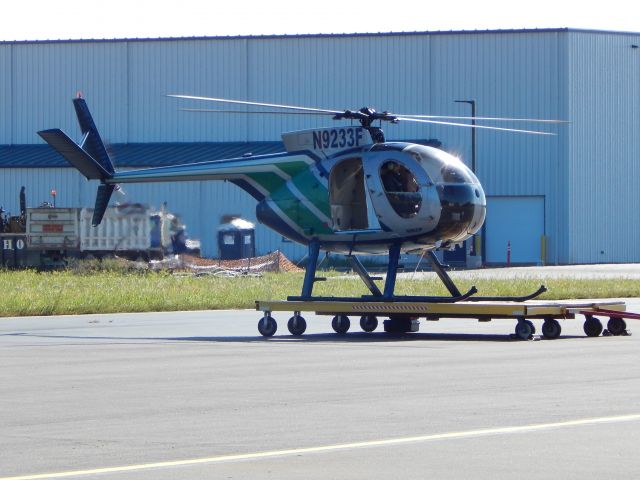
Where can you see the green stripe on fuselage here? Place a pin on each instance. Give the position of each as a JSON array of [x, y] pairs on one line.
[[292, 206], [298, 212], [271, 181], [316, 192], [293, 168], [267, 180]]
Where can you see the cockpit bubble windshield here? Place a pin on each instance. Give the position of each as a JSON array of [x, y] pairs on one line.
[[401, 188], [442, 167]]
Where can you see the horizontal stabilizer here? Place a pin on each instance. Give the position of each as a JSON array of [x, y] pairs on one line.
[[74, 154]]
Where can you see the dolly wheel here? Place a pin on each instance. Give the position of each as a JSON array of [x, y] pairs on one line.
[[368, 323], [297, 325], [340, 324], [267, 326], [525, 329], [616, 325], [533, 327], [592, 326], [551, 328]]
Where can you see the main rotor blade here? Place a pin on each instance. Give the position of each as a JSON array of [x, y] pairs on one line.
[[468, 125], [493, 119], [257, 104], [250, 112]]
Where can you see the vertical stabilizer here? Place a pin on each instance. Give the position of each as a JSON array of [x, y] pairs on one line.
[[91, 142]]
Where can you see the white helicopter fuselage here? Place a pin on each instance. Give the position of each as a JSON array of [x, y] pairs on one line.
[[380, 193]]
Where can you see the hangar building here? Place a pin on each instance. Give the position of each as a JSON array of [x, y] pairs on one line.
[[568, 198]]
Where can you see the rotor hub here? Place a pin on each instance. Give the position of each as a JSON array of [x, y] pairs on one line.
[[366, 116]]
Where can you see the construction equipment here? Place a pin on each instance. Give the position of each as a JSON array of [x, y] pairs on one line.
[[130, 230], [47, 236]]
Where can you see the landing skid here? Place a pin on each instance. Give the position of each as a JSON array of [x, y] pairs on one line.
[[387, 295]]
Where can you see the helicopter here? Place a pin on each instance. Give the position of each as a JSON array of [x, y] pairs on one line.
[[342, 189]]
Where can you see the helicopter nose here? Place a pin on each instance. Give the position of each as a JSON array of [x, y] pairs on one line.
[[463, 210]]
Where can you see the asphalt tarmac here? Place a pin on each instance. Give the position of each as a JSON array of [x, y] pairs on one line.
[[201, 395]]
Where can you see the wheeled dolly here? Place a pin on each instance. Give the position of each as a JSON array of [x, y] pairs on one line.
[[403, 316], [403, 312]]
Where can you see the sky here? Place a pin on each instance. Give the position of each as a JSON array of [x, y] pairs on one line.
[[87, 19]]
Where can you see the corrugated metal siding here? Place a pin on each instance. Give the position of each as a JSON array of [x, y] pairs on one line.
[[387, 73], [331, 72], [126, 82], [207, 68], [605, 148], [548, 74], [559, 216], [48, 75], [508, 76], [6, 100]]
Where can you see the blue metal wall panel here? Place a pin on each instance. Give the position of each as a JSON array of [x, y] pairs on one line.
[[214, 67], [48, 76], [508, 75], [558, 214], [387, 73], [403, 73], [604, 159], [6, 100]]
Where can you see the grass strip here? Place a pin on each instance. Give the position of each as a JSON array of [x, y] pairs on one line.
[[29, 292]]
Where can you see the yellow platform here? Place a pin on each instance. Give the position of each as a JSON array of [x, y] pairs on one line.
[[433, 311]]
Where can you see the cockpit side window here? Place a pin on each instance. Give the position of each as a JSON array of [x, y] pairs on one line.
[[401, 188]]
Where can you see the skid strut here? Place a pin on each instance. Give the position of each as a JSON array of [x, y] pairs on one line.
[[310, 273], [364, 276], [439, 268], [388, 295]]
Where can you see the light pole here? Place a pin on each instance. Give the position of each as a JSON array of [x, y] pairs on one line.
[[473, 132]]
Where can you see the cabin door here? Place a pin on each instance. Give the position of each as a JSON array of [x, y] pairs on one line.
[[350, 209]]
